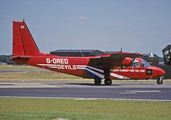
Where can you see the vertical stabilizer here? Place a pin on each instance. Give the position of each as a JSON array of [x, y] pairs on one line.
[[23, 42]]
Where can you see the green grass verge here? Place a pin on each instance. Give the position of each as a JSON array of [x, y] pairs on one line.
[[18, 67], [51, 109]]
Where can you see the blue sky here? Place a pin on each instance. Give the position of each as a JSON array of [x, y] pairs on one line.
[[140, 26]]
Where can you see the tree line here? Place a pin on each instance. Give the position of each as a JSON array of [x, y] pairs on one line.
[[4, 58]]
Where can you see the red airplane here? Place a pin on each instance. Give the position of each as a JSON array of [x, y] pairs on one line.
[[121, 65]]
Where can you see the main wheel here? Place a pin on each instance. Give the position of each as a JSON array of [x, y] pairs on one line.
[[108, 81], [97, 81]]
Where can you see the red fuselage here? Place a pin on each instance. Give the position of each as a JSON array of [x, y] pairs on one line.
[[79, 66]]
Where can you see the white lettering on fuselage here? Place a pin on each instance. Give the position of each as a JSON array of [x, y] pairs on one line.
[[61, 63], [57, 61], [128, 70]]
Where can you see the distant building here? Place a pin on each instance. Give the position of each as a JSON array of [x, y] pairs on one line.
[[79, 53]]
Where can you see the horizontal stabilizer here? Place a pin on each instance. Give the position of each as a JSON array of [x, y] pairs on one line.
[[20, 59]]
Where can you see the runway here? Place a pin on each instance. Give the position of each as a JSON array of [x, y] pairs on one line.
[[87, 90]]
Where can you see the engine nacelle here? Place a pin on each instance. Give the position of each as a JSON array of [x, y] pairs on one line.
[[124, 62], [127, 62]]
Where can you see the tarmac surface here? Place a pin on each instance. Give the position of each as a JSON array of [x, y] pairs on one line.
[[87, 90]]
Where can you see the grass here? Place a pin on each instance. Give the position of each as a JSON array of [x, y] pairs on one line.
[[49, 109], [18, 67]]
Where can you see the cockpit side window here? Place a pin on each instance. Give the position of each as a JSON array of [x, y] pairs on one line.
[[135, 64], [145, 64]]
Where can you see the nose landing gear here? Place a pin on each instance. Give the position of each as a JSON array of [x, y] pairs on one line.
[[159, 80]]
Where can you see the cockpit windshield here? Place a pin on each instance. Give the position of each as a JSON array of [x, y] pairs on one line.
[[145, 64]]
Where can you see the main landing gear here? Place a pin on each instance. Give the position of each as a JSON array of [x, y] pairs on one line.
[[108, 81], [97, 81], [159, 80]]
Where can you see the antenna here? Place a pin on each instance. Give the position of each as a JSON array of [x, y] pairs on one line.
[[81, 53]]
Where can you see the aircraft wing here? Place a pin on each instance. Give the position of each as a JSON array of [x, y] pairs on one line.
[[115, 59], [119, 55]]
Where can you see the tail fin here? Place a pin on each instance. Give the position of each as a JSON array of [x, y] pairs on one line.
[[23, 42]]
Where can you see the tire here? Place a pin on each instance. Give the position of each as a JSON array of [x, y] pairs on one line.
[[108, 82], [97, 81], [159, 81]]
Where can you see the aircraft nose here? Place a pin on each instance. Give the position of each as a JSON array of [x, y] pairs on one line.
[[160, 71]]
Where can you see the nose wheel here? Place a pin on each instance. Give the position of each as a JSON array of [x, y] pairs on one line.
[[160, 80]]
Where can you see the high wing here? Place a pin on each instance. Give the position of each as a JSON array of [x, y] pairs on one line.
[[118, 55], [122, 55], [115, 59]]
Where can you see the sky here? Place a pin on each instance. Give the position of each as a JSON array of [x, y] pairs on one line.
[[137, 26]]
